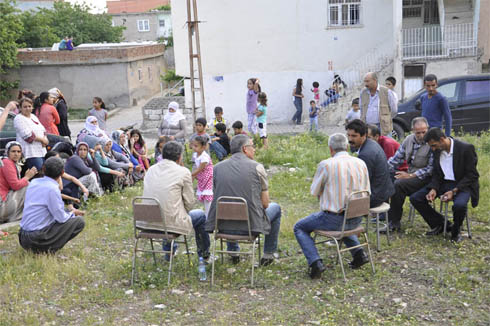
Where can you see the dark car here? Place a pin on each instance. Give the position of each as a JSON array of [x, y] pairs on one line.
[[8, 134], [468, 98]]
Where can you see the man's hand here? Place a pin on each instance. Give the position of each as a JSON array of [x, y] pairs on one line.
[[78, 212], [431, 195], [403, 175], [447, 196]]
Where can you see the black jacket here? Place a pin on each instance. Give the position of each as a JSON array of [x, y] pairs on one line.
[[63, 128], [382, 187], [464, 167]]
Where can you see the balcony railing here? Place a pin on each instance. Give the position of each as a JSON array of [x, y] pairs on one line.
[[435, 42]]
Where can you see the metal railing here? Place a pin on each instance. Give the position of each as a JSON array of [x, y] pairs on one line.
[[169, 91], [451, 41]]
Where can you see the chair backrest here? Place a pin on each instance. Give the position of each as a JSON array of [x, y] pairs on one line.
[[357, 204], [232, 209], [147, 210]]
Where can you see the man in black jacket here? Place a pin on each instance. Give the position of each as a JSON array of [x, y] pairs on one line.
[[454, 178], [375, 158]]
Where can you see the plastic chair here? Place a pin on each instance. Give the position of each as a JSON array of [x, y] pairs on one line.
[[149, 223]]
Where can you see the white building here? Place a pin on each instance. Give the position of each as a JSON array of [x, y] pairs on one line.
[[279, 41]]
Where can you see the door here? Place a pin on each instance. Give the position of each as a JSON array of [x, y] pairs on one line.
[[452, 91], [475, 105]]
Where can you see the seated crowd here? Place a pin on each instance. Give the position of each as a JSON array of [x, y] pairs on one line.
[[428, 164]]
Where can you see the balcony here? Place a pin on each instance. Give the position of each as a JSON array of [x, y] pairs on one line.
[[434, 42]]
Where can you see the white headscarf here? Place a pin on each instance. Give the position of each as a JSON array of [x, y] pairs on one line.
[[173, 118], [94, 129]]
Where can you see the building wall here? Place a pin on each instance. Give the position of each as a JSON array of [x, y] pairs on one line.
[[484, 30], [110, 73], [283, 41], [130, 21], [453, 67], [120, 6]]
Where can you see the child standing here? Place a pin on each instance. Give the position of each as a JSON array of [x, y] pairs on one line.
[[218, 118], [316, 92], [138, 148], [354, 113], [99, 112], [313, 115], [253, 86], [203, 172], [261, 114], [200, 125]]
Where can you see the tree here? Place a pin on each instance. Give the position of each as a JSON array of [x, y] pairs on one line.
[[10, 30], [46, 26]]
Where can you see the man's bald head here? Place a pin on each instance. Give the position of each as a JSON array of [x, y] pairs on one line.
[[371, 81]]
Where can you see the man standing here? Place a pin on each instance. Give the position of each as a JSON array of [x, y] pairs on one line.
[[171, 183], [378, 104], [372, 154], [435, 106], [241, 176], [416, 152], [335, 179], [454, 178], [45, 226]]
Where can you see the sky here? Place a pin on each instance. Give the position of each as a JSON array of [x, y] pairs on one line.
[[98, 5]]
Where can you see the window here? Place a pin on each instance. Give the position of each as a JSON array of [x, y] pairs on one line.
[[477, 88], [344, 12], [412, 8], [431, 12], [449, 91], [161, 23], [143, 25]]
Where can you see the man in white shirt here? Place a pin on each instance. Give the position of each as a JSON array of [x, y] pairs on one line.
[[454, 178]]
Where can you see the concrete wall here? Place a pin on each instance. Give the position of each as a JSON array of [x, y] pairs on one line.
[[130, 21], [120, 6], [453, 67], [280, 42], [156, 108], [484, 30], [111, 74]]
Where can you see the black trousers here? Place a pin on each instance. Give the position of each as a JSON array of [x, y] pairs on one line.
[[403, 188], [53, 237]]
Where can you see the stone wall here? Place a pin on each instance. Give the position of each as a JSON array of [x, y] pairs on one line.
[[155, 109]]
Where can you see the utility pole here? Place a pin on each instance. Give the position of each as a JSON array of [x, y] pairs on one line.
[[193, 36]]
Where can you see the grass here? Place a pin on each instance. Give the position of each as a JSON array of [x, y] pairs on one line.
[[419, 280], [77, 114]]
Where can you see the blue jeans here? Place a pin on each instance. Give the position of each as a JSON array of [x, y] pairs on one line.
[[35, 161], [298, 103], [198, 218], [323, 221], [314, 121], [218, 149], [273, 213]]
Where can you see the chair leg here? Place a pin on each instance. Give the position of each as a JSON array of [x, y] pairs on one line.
[[259, 248], [387, 229], [445, 218], [153, 252], [369, 252], [213, 260], [221, 247], [187, 250], [171, 260], [377, 233], [367, 223], [340, 258], [253, 261], [468, 225], [133, 269]]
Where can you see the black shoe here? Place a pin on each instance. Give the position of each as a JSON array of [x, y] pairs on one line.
[[456, 238], [266, 261], [235, 259], [435, 231], [316, 269], [359, 259], [393, 228]]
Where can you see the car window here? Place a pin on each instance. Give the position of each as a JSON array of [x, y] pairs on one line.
[[477, 88], [449, 91]]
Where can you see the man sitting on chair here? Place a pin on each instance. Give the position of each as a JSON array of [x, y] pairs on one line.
[[241, 176], [171, 183], [454, 178], [335, 179]]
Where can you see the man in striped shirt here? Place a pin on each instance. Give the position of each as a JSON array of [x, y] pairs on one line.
[[335, 179]]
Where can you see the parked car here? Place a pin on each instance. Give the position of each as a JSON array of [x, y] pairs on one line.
[[468, 98], [8, 134]]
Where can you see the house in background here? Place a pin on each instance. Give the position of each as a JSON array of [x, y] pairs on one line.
[[144, 26], [25, 5], [312, 40], [121, 6]]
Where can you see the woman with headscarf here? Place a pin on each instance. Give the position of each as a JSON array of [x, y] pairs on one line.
[[106, 173], [173, 124], [12, 186], [92, 134], [120, 145], [60, 105], [83, 167], [31, 135], [120, 161]]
